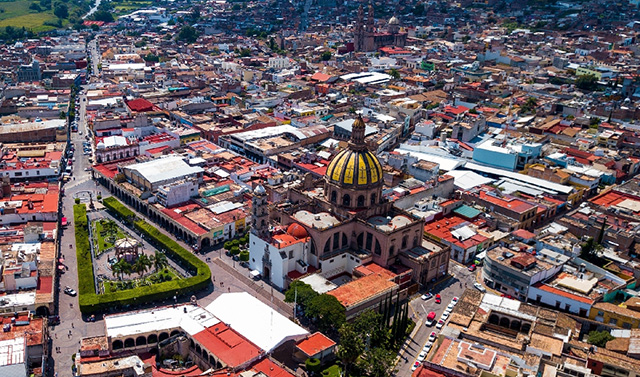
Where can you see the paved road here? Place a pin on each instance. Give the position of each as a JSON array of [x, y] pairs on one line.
[[453, 287]]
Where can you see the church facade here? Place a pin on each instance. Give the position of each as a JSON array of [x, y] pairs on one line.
[[367, 38], [341, 222]]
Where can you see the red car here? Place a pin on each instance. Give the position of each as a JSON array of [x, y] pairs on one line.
[[472, 267], [438, 299]]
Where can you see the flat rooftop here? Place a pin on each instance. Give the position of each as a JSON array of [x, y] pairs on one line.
[[164, 169], [387, 224], [320, 220]]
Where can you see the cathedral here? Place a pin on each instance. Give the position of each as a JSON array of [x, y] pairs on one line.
[[342, 221], [367, 39]]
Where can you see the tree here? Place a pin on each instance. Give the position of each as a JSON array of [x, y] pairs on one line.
[[602, 231], [351, 346], [587, 82], [151, 58], [142, 264], [370, 323], [599, 338], [530, 105], [245, 53], [111, 228], [244, 256], [61, 11], [227, 245], [159, 261], [326, 56], [327, 310], [378, 362], [188, 34], [394, 73], [103, 15], [234, 250], [36, 7], [300, 292]]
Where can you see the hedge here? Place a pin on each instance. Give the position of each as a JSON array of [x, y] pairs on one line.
[[91, 302], [118, 208]]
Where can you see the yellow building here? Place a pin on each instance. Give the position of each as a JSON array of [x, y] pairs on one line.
[[581, 71], [614, 315]]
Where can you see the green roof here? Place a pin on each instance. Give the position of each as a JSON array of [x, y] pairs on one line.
[[467, 212]]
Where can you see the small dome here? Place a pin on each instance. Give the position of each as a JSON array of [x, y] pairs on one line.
[[298, 231], [259, 190], [101, 145], [394, 21], [126, 243]]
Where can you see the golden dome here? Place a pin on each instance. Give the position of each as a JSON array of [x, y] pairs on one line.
[[354, 168]]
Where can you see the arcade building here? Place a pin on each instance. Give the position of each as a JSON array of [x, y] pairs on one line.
[[334, 225]]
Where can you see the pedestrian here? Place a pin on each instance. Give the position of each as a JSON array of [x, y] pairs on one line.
[[222, 283], [72, 325], [229, 289], [56, 334]]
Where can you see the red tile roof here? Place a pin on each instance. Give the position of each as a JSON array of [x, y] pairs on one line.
[[315, 344], [362, 289], [140, 104], [227, 345], [559, 292]]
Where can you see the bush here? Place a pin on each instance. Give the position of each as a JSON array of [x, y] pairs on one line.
[[312, 365], [77, 200], [99, 197], [91, 302], [113, 205], [234, 250], [244, 256], [227, 245], [235, 242]]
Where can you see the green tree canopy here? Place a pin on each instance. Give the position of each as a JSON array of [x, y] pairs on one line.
[[394, 73], [188, 34], [378, 362], [587, 82], [599, 338], [61, 11], [351, 346], [326, 56], [327, 310], [103, 15], [304, 293]]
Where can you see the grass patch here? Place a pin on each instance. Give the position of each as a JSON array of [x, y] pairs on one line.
[[102, 239], [17, 14], [167, 274], [332, 371]]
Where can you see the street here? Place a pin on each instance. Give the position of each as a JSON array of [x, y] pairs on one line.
[[461, 279]]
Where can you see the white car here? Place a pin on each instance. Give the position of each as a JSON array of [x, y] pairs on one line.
[[440, 324], [421, 356], [479, 287], [451, 306], [429, 322], [444, 316], [432, 337], [415, 366], [427, 347], [454, 301]]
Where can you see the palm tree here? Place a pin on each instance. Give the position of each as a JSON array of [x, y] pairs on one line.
[[139, 266], [159, 261], [111, 228], [116, 268], [126, 267]]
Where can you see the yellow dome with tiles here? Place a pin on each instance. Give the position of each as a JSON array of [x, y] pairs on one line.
[[354, 168]]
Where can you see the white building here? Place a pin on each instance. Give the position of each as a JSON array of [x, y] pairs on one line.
[[13, 357], [153, 174], [279, 63], [177, 192]]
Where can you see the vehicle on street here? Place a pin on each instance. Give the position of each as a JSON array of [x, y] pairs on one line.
[[427, 346], [450, 306], [444, 316], [479, 287], [472, 267], [432, 337], [438, 299], [430, 318], [70, 291], [427, 296], [421, 356], [454, 300], [415, 366], [439, 324]]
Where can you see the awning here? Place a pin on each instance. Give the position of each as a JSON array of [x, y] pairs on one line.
[[64, 221], [255, 273]]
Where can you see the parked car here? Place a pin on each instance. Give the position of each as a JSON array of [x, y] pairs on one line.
[[472, 267], [432, 337], [454, 300], [426, 296], [479, 287], [427, 347], [421, 356], [415, 366], [430, 318], [444, 316], [438, 299], [439, 324], [450, 306], [70, 291]]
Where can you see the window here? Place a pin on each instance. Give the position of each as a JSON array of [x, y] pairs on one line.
[[327, 246], [290, 254], [415, 241], [334, 196], [336, 241], [378, 249], [613, 321], [346, 200], [313, 248], [361, 201], [344, 240], [373, 199], [369, 241], [405, 239], [392, 250], [626, 325], [600, 313]]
